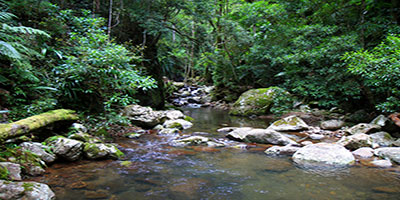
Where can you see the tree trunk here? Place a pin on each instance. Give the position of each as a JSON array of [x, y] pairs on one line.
[[26, 126]]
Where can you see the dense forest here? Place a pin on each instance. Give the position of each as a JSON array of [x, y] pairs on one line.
[[94, 56]]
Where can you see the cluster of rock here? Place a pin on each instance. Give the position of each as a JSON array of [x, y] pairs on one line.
[[192, 96], [365, 140], [167, 122], [72, 148]]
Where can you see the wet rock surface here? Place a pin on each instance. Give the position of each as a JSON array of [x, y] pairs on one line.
[[323, 154], [25, 191]]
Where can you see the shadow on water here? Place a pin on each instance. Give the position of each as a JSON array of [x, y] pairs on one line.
[[155, 170]]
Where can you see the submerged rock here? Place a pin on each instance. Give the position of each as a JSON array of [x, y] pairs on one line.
[[285, 150], [101, 151], [356, 141], [25, 191], [257, 101], [323, 154], [68, 149], [291, 123], [392, 153], [192, 140], [363, 128], [13, 170], [332, 124], [40, 150]]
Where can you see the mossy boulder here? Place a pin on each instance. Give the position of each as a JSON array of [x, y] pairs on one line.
[[25, 190], [101, 151], [36, 122], [257, 101], [68, 149], [290, 123]]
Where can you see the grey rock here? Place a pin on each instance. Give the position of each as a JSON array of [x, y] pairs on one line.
[[396, 143], [34, 170], [392, 153], [285, 150], [332, 124], [14, 170], [79, 127], [382, 163], [40, 150], [356, 141], [291, 123], [178, 123], [84, 137], [305, 143], [68, 149], [265, 136], [364, 152], [381, 139], [25, 191], [363, 128], [168, 131], [226, 129], [192, 140], [174, 114], [316, 136], [144, 116], [324, 154], [238, 134], [380, 120], [101, 151]]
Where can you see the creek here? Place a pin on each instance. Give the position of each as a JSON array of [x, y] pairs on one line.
[[155, 170]]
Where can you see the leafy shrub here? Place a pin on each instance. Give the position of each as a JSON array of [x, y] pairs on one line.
[[379, 70]]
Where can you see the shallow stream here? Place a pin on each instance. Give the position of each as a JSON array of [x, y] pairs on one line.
[[155, 170]]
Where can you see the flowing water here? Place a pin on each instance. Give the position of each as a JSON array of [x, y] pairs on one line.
[[155, 170]]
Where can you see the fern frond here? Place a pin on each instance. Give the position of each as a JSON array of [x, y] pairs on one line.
[[24, 30], [6, 16], [6, 49]]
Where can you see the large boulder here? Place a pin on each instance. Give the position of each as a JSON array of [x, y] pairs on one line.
[[40, 150], [263, 136], [257, 101], [291, 123], [392, 153], [381, 139], [68, 149], [101, 151], [356, 141], [323, 154], [11, 171], [363, 128], [333, 124], [145, 117], [238, 134], [25, 191]]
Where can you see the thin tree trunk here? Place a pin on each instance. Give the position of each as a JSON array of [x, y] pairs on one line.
[[110, 19]]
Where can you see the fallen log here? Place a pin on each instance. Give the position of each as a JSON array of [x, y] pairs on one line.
[[27, 125]]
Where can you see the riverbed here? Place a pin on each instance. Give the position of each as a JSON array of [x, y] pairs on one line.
[[152, 169]]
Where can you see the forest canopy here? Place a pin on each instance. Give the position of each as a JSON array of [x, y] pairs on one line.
[[97, 55]]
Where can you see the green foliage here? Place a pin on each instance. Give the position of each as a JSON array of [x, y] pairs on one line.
[[4, 173], [379, 70], [98, 69]]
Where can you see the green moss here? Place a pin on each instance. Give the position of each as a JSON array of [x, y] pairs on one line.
[[188, 118], [28, 186], [35, 122], [292, 122], [53, 138], [119, 154], [126, 163], [176, 125], [4, 173]]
